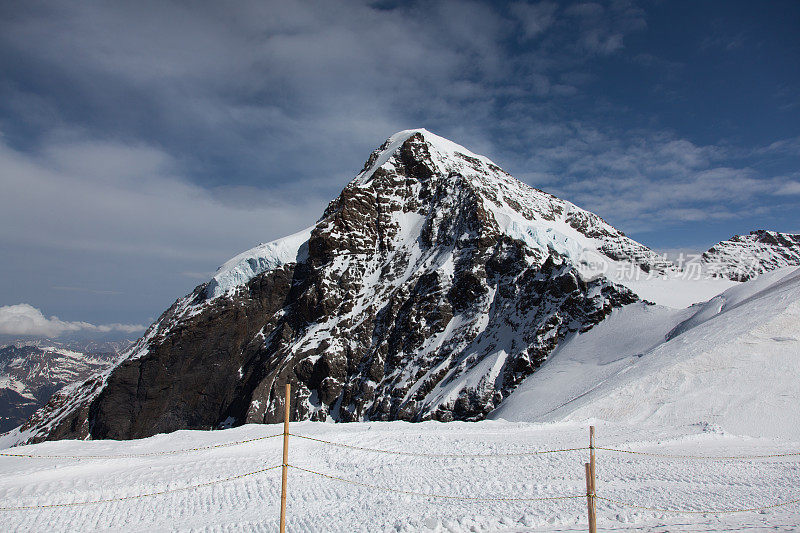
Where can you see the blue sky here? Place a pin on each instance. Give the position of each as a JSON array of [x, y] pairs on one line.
[[144, 143]]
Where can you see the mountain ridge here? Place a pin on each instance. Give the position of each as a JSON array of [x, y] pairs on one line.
[[429, 289], [31, 371], [743, 257]]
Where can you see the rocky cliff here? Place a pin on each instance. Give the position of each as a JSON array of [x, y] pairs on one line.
[[428, 289]]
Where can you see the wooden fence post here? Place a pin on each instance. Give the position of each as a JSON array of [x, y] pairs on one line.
[[591, 484], [285, 466], [592, 524]]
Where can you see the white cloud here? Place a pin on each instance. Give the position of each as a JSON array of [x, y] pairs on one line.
[[789, 188], [90, 195], [646, 180], [24, 319], [790, 146], [534, 18]]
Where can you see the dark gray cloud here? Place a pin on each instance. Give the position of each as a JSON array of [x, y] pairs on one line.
[[91, 195], [257, 85], [144, 143]]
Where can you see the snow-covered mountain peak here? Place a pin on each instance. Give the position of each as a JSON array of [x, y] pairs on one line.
[[419, 195], [414, 170], [415, 181], [743, 257], [430, 154], [443, 154], [429, 288]]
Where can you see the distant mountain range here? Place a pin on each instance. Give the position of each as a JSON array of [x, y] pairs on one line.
[[430, 288], [745, 256], [31, 371]]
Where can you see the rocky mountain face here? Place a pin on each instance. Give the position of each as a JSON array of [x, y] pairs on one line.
[[31, 372], [429, 289], [745, 256]]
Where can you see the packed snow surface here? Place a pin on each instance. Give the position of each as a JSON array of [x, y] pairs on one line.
[[320, 504]]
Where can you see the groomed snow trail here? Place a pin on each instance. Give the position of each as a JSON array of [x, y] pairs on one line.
[[318, 504]]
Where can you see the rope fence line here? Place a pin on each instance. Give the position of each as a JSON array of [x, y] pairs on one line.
[[702, 457], [593, 495], [409, 454], [135, 455], [699, 511], [439, 455], [542, 452], [591, 491], [402, 491], [137, 496], [440, 496]]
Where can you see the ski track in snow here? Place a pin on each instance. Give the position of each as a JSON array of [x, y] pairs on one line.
[[318, 504]]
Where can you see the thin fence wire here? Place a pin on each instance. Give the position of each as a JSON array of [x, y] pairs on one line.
[[137, 496], [702, 457], [411, 492], [135, 455], [440, 455], [699, 511]]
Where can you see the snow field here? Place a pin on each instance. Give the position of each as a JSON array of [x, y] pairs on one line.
[[732, 362], [318, 504]]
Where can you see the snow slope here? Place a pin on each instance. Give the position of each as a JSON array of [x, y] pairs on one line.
[[318, 504], [262, 258], [732, 362]]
